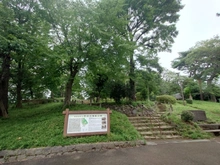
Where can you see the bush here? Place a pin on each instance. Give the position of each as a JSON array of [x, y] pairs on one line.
[[166, 99], [189, 101], [117, 91], [187, 116]]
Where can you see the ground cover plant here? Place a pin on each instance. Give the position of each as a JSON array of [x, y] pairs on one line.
[[42, 125], [190, 129], [212, 109]]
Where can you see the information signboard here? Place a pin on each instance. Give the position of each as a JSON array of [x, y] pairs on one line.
[[80, 123]]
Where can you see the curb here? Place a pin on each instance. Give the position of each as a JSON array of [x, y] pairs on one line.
[[48, 152]]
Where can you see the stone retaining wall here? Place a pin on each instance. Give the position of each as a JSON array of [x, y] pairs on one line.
[[47, 152]]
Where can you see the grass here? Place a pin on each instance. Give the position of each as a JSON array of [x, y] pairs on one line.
[[211, 109], [42, 125], [192, 130]]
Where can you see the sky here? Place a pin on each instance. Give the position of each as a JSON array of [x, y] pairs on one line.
[[197, 22]]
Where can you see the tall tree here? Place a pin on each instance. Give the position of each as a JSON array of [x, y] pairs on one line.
[[201, 62], [148, 74], [31, 34], [169, 83], [151, 27], [9, 43], [84, 32]]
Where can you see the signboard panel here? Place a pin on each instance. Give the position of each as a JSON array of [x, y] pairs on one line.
[[79, 123]]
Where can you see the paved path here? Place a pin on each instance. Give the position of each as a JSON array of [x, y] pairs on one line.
[[185, 152]]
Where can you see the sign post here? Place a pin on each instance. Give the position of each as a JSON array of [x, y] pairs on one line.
[[82, 123]]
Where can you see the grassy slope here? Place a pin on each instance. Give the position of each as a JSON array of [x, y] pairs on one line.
[[192, 130], [42, 125], [212, 109]]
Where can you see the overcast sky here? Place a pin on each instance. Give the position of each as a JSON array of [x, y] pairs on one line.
[[197, 22]]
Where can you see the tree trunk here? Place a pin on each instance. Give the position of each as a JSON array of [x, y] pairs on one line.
[[213, 98], [3, 111], [148, 94], [4, 80], [212, 95], [52, 95], [31, 93], [19, 96], [200, 89], [181, 90], [190, 96], [68, 91], [131, 79], [19, 88]]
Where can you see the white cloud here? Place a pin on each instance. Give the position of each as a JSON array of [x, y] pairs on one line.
[[198, 21]]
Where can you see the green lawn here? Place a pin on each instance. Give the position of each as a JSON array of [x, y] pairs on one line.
[[212, 109], [192, 130], [40, 126]]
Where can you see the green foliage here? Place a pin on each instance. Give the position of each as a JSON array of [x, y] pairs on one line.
[[166, 99], [149, 34], [189, 101], [147, 81], [117, 91], [42, 125], [186, 129], [187, 116], [192, 130], [168, 84], [138, 96], [144, 94], [202, 63], [211, 109]]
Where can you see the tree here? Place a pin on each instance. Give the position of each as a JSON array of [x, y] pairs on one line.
[[148, 75], [151, 27], [169, 85], [201, 62], [99, 81], [32, 34], [191, 87], [117, 90], [83, 32], [8, 44]]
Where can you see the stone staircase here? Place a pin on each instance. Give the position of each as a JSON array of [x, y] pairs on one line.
[[152, 127], [211, 128]]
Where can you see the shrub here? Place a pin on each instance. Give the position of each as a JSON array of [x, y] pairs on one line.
[[166, 99], [138, 96], [117, 91], [187, 116], [189, 101]]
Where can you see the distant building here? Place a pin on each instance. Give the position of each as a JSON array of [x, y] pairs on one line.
[[178, 96]]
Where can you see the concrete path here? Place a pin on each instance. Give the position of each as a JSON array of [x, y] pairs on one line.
[[182, 152]]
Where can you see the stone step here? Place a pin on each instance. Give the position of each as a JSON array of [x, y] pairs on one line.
[[143, 118], [147, 121], [149, 133], [161, 113], [212, 130], [163, 127], [152, 127], [162, 137], [149, 124], [209, 126]]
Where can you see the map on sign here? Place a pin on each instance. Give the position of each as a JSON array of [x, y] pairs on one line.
[[85, 123]]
